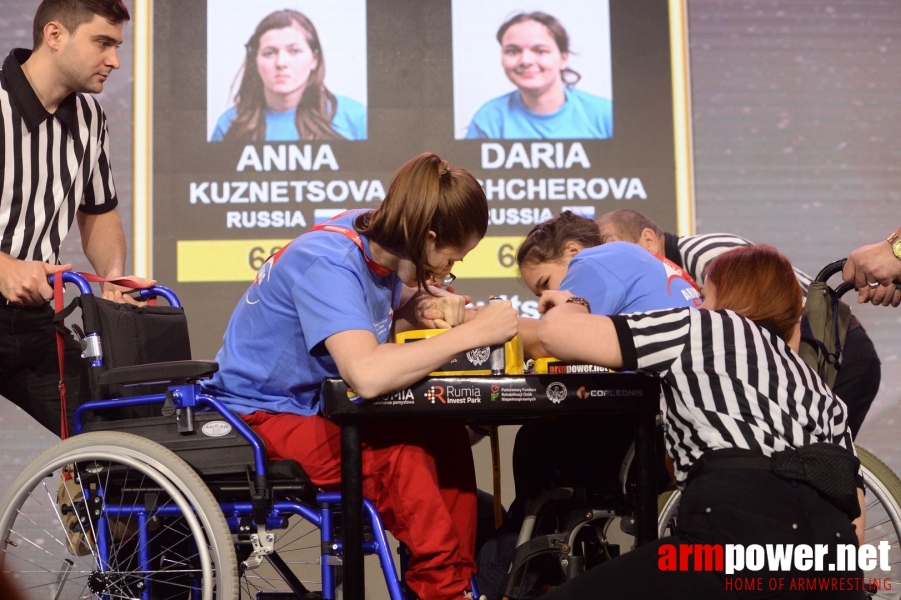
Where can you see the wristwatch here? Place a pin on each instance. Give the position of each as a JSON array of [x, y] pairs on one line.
[[579, 300], [894, 241]]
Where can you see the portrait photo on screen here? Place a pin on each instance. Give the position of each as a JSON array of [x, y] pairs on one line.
[[286, 70], [532, 71]]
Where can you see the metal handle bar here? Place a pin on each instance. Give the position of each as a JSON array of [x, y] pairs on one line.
[[84, 287], [835, 267]]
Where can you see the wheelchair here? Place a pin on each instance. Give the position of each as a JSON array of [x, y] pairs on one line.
[[567, 530], [184, 505]]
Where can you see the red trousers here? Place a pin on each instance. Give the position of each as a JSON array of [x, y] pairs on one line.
[[420, 476]]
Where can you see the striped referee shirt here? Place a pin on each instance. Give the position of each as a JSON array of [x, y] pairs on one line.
[[729, 382], [693, 252], [52, 164]]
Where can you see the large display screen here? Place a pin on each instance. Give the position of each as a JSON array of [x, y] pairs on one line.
[[243, 162]]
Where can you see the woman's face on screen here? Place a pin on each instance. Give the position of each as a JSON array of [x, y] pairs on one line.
[[531, 58], [285, 60]]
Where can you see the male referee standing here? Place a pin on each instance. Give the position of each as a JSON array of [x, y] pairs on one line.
[[54, 169]]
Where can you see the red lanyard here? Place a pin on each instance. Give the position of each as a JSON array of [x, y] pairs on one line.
[[679, 271], [349, 234], [353, 236]]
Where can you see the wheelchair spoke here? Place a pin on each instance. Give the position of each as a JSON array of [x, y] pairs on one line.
[[50, 506], [295, 530], [53, 503], [43, 589]]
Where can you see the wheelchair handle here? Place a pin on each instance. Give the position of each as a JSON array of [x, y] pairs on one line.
[[830, 270], [80, 282], [84, 287], [162, 291], [835, 267]]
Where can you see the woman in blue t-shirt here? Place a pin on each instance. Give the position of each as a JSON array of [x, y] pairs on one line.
[[326, 305], [545, 105], [282, 96], [566, 253]]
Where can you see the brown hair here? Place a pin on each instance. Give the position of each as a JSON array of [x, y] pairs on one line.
[[627, 224], [72, 13], [317, 105], [557, 31], [427, 194], [757, 282], [546, 241]]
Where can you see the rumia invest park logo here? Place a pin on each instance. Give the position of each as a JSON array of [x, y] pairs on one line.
[[454, 394], [436, 392]]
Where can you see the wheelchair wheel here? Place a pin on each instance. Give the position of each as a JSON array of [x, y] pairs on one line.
[[667, 509], [133, 521], [883, 501], [883, 504]]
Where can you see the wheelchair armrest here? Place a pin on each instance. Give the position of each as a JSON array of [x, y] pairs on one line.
[[182, 370]]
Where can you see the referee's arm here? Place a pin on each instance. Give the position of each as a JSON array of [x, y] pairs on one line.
[[103, 242], [569, 332]]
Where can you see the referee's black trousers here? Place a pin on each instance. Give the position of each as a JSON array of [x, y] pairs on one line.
[[29, 368], [732, 506]]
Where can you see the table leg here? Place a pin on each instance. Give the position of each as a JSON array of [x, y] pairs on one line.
[[352, 507], [646, 489]]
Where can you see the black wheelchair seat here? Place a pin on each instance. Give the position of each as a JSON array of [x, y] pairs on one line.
[[219, 453]]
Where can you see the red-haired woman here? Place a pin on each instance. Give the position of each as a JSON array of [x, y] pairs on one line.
[[743, 410]]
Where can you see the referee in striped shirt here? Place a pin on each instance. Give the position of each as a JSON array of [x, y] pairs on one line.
[[857, 382], [54, 169], [739, 402]]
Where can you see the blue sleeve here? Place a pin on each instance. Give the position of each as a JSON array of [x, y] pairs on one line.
[[606, 117], [350, 119], [362, 124], [599, 112], [329, 299], [479, 128], [222, 125], [474, 132], [591, 281]]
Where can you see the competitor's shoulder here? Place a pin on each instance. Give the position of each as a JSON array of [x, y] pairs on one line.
[[613, 248]]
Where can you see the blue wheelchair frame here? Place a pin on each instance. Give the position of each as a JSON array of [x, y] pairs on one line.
[[189, 398]]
